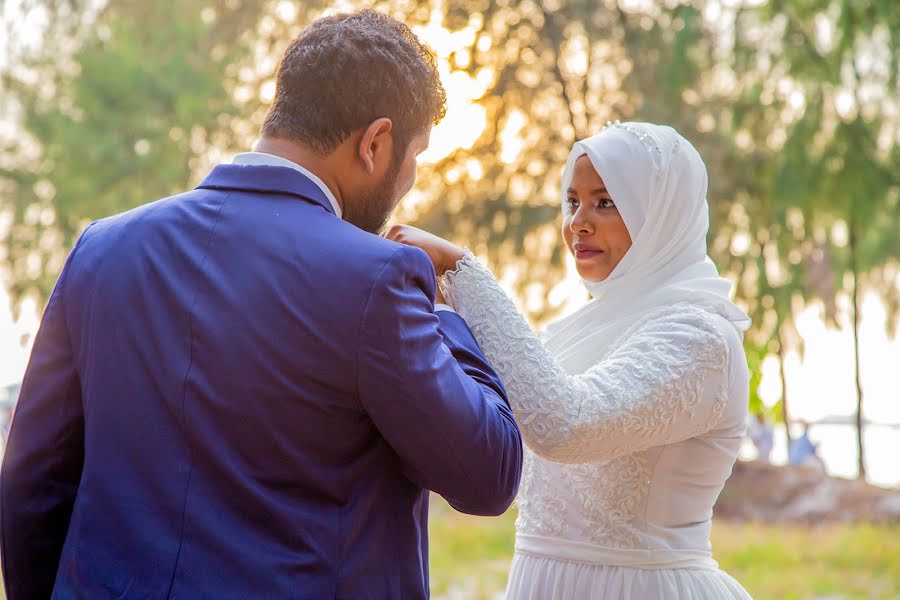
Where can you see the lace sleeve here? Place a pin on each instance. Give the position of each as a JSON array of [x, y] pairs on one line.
[[664, 383]]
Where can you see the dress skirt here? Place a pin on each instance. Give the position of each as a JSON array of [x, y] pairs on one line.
[[542, 577]]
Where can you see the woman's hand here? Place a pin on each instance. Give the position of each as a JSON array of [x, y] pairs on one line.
[[442, 253]]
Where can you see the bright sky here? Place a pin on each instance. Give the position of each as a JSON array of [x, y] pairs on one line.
[[820, 384], [15, 340]]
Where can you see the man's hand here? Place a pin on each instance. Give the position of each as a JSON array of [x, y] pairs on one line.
[[443, 254]]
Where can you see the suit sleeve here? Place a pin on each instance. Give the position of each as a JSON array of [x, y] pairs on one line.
[[43, 460], [433, 396]]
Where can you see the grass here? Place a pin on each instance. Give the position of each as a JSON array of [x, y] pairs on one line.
[[470, 558]]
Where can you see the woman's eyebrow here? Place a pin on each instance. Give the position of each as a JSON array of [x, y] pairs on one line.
[[599, 190]]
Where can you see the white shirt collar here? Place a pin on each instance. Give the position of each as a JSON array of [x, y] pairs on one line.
[[262, 158]]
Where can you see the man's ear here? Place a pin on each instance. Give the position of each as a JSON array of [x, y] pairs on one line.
[[376, 144]]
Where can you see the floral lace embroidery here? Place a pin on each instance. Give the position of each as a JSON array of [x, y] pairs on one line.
[[609, 494], [542, 505]]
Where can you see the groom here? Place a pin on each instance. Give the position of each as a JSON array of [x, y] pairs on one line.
[[242, 391]]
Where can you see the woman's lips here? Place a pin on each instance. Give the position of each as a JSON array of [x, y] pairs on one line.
[[584, 251]]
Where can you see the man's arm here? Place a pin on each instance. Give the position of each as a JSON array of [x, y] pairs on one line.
[[432, 395], [44, 456]]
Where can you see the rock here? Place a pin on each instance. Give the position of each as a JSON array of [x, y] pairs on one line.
[[768, 493]]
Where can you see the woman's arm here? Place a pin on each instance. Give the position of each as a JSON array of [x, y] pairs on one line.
[[665, 383]]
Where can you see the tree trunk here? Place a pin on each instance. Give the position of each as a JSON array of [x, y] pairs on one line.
[[784, 396], [859, 393]]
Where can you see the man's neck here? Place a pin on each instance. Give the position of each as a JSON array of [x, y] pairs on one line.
[[306, 157]]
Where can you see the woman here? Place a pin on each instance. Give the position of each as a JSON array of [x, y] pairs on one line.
[[634, 407]]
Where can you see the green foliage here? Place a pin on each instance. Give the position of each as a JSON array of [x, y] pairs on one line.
[[132, 113], [755, 357], [468, 553], [145, 102], [828, 171]]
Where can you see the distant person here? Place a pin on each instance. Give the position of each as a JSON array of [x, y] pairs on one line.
[[8, 407], [802, 451], [761, 433], [242, 391], [634, 407]]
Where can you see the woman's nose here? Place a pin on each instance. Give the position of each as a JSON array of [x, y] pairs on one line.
[[580, 222]]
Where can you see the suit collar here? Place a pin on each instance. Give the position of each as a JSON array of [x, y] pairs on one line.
[[267, 180]]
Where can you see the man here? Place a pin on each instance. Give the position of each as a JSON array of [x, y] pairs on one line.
[[235, 393], [802, 451]]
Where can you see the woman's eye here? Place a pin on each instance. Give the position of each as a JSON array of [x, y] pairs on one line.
[[572, 203], [606, 203]]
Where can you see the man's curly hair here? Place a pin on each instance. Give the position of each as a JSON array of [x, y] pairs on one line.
[[347, 70]]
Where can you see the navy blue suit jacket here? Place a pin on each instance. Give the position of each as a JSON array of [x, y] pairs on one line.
[[235, 394]]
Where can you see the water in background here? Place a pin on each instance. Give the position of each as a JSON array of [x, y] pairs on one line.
[[836, 446]]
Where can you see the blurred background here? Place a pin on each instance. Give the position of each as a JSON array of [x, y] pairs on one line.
[[794, 105]]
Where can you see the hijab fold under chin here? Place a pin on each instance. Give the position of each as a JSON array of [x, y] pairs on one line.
[[658, 182]]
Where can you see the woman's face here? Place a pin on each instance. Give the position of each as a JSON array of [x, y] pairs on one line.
[[592, 226]]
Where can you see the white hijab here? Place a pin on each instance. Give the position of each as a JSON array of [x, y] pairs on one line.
[[658, 182]]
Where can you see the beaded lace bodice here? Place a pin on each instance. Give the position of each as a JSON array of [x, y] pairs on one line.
[[631, 453]]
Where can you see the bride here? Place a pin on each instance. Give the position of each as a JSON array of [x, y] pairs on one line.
[[634, 407]]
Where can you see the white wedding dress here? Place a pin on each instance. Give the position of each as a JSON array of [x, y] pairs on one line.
[[625, 455]]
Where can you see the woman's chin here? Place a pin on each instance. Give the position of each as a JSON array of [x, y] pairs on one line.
[[593, 275]]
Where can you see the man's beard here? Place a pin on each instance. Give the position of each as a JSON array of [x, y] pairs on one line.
[[371, 210]]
